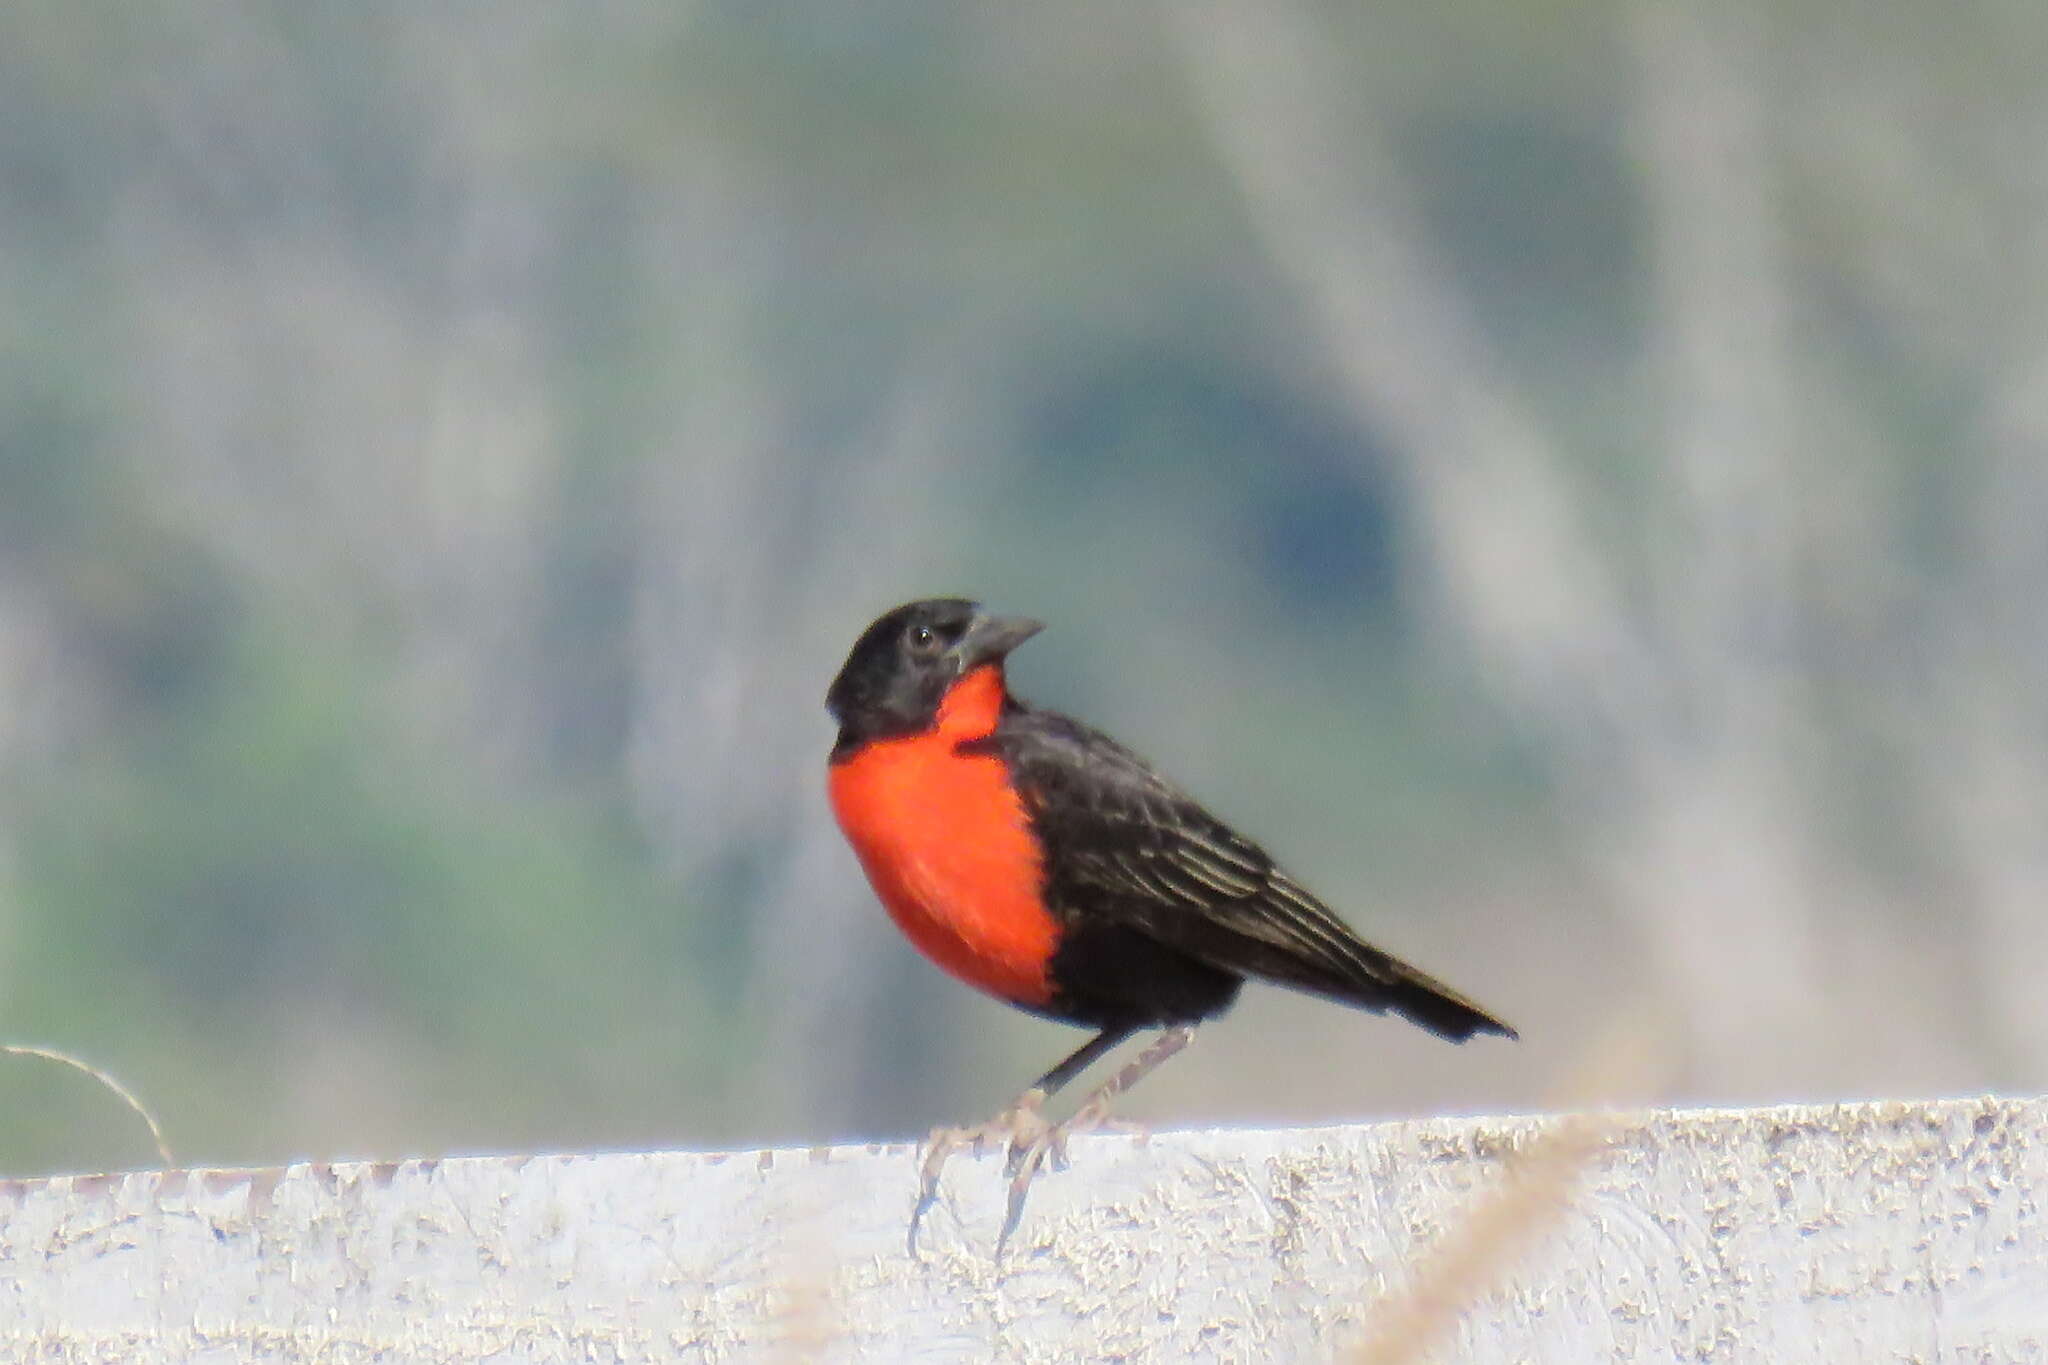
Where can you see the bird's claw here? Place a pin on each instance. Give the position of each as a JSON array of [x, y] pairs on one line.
[[1033, 1141], [1021, 1126], [1049, 1147]]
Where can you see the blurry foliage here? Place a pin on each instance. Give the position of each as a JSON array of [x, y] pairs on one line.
[[442, 454], [267, 851]]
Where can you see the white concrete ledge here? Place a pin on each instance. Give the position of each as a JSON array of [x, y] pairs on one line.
[[1869, 1232]]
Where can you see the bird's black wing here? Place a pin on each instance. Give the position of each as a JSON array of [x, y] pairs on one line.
[[1124, 845]]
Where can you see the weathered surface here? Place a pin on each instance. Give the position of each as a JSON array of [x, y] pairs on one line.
[[1879, 1232]]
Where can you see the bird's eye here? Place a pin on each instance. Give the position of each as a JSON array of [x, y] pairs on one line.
[[923, 640]]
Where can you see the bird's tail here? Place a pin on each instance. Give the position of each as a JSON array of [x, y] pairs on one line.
[[1387, 983], [1328, 959]]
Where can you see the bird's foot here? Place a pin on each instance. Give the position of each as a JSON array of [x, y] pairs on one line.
[[1029, 1154], [1033, 1140], [1020, 1125], [1045, 1144]]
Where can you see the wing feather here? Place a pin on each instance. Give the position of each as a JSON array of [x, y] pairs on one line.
[[1123, 843]]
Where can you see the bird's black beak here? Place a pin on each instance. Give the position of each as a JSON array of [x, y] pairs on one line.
[[990, 638]]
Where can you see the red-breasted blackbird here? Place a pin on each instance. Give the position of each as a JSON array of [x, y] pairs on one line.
[[1039, 860]]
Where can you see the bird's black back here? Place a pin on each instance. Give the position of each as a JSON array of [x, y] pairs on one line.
[[1164, 908]]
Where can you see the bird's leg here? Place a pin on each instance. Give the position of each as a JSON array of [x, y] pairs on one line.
[[1051, 1140], [1021, 1124]]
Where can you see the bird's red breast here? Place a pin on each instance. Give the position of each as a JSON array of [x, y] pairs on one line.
[[946, 843]]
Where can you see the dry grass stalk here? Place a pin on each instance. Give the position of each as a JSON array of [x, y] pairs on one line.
[[122, 1092], [1532, 1195]]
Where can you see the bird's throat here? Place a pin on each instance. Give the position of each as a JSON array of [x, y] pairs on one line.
[[973, 705]]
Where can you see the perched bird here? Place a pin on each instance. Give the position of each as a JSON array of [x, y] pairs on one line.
[[1042, 862]]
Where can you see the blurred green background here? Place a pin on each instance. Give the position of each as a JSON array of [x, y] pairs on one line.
[[1571, 477]]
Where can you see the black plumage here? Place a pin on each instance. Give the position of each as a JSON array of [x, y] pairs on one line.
[[1165, 909]]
